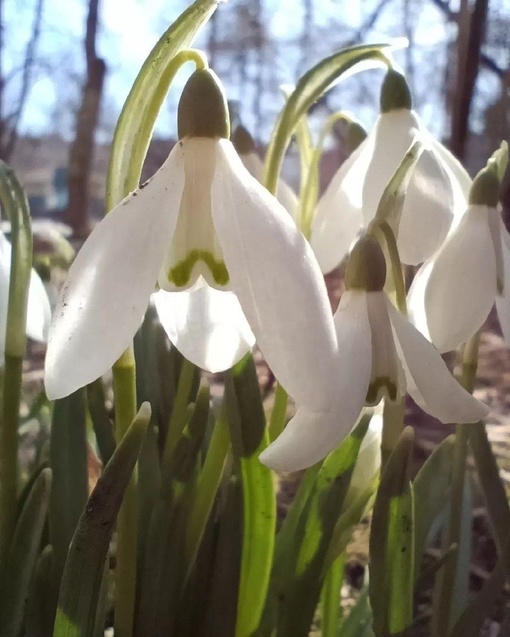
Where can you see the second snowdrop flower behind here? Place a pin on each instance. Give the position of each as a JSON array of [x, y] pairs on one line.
[[436, 194], [382, 356], [230, 263]]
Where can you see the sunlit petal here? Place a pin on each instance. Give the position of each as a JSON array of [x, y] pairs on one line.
[[207, 326], [38, 310], [5, 269], [311, 435], [429, 381], [338, 217], [462, 284], [109, 284], [503, 301], [278, 282]]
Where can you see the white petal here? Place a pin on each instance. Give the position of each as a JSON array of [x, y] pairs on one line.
[[429, 381], [109, 284], [207, 326], [461, 288], [393, 134], [338, 217], [278, 282], [416, 298], [368, 463], [284, 193], [428, 210], [503, 301], [38, 310], [310, 436]]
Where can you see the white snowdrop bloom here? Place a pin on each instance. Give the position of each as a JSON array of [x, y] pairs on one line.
[[245, 146], [38, 309], [230, 263], [382, 355], [436, 194], [454, 291]]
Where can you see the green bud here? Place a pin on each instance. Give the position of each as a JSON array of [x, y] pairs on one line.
[[395, 92], [203, 110], [355, 135], [485, 189], [243, 141], [366, 268]]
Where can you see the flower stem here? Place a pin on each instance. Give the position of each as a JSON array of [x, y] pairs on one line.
[[15, 204], [124, 384], [443, 594], [277, 421], [393, 426]]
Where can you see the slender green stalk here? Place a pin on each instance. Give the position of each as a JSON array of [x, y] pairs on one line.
[[124, 384], [393, 426], [330, 616], [443, 598], [277, 421], [15, 204]]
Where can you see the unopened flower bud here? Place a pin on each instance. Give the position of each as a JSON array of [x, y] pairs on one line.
[[203, 110], [355, 135], [366, 268], [395, 93]]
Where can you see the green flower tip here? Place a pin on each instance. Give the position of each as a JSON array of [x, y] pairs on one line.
[[243, 141], [395, 93], [203, 110], [355, 135], [485, 189], [366, 268]]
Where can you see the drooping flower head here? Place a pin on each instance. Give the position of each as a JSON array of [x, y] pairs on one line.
[[453, 293], [382, 356], [229, 261], [436, 192]]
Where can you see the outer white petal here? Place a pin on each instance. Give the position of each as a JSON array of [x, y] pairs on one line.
[[416, 298], [461, 288], [284, 193], [310, 436], [503, 302], [393, 133], [368, 463], [109, 284], [278, 283], [338, 217], [428, 210], [206, 325], [429, 381], [38, 310]]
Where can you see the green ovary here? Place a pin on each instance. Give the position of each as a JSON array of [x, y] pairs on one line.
[[180, 274]]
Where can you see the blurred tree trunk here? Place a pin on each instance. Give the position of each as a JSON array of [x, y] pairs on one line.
[[471, 23], [82, 149]]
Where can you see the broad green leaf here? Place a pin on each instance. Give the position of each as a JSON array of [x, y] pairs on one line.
[[68, 459], [136, 122], [83, 574], [331, 610], [22, 556], [249, 437], [312, 85], [103, 426], [431, 488], [358, 622], [42, 599], [460, 595], [391, 544]]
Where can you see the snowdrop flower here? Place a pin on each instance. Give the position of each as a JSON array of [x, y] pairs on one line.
[[229, 261], [453, 293], [245, 146], [368, 463], [38, 309], [383, 356], [436, 193]]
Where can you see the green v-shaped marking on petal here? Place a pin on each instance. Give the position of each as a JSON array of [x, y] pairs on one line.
[[180, 274], [376, 390]]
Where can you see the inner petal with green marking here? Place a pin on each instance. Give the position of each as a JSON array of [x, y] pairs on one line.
[[195, 252]]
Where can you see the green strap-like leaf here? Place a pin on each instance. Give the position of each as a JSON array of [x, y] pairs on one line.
[[249, 437], [22, 556], [83, 574]]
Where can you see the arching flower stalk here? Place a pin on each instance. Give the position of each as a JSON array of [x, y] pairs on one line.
[[383, 356], [453, 293], [436, 194]]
